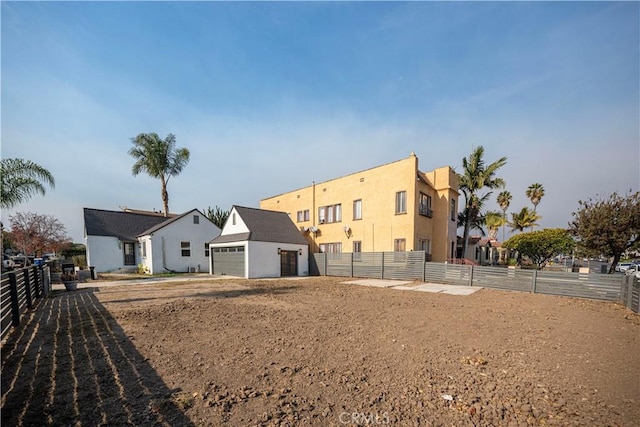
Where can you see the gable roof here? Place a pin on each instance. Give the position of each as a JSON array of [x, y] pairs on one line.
[[264, 226], [123, 225], [171, 220]]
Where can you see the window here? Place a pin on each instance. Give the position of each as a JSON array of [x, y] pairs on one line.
[[144, 249], [357, 209], [329, 214], [303, 215], [233, 219], [424, 245], [401, 202], [331, 248], [357, 250], [206, 249], [425, 205], [453, 210], [399, 245], [196, 219], [186, 248]]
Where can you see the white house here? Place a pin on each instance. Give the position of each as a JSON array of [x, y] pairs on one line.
[[113, 240], [178, 244], [259, 243]]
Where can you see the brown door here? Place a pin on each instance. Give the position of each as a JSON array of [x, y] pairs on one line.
[[288, 263]]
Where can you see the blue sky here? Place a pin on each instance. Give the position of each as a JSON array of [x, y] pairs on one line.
[[269, 97]]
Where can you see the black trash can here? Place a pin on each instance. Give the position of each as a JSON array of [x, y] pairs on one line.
[[93, 273]]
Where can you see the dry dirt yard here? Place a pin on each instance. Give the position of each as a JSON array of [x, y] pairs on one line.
[[319, 352]]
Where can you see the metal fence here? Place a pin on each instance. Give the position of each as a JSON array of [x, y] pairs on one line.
[[21, 290], [412, 266]]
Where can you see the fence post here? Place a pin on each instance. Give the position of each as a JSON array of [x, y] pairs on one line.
[[37, 272], [15, 305], [382, 267], [535, 281], [324, 258], [46, 281], [351, 264], [27, 287], [629, 280], [471, 275], [424, 266]]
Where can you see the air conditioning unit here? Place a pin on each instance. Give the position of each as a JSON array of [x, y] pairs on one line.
[[192, 269]]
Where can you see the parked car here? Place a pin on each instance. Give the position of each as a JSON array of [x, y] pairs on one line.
[[634, 270], [7, 263], [20, 261], [623, 266]]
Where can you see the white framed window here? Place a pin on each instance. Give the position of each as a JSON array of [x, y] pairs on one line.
[[196, 219], [401, 202], [453, 210], [357, 209], [399, 245], [144, 248], [329, 214], [185, 248]]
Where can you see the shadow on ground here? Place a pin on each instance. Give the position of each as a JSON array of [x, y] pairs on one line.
[[70, 363]]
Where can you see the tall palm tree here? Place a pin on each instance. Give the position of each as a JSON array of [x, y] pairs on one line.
[[159, 158], [475, 177], [523, 219], [20, 180], [535, 193], [504, 200]]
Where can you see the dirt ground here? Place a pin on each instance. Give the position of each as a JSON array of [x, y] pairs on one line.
[[319, 352]]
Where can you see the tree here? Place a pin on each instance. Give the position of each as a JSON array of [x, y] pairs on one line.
[[535, 193], [475, 177], [504, 200], [493, 220], [20, 180], [35, 234], [523, 219], [608, 226], [217, 216], [541, 246], [159, 158]]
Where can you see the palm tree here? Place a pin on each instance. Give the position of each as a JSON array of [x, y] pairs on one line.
[[20, 180], [493, 220], [504, 200], [523, 219], [535, 193], [159, 159], [475, 177]]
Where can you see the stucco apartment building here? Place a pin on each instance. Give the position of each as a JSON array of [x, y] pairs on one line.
[[393, 207]]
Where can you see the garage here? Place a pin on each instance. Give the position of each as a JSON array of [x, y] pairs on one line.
[[257, 243], [228, 261]]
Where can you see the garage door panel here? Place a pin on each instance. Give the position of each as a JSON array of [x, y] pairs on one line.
[[228, 263]]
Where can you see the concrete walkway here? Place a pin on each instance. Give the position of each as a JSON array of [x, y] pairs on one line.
[[420, 287]]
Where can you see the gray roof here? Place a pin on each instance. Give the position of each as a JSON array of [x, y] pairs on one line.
[[169, 221], [123, 225], [265, 226]]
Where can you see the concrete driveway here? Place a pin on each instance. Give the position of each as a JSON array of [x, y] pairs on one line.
[[413, 286]]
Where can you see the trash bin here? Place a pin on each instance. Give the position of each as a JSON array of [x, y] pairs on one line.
[[604, 269], [38, 261], [93, 273]]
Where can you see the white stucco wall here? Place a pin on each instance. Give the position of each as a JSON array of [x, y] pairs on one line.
[[235, 224], [264, 260], [167, 241], [104, 253]]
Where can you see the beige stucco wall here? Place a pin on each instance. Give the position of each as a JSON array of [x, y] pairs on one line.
[[380, 225]]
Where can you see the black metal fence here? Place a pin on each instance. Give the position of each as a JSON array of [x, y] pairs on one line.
[[20, 291], [412, 266]]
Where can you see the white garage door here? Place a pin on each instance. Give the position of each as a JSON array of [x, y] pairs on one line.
[[228, 261]]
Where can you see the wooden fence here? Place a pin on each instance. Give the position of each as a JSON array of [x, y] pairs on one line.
[[412, 266], [20, 291]]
